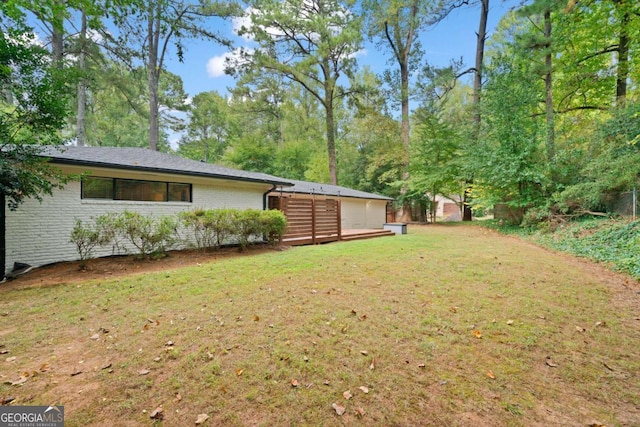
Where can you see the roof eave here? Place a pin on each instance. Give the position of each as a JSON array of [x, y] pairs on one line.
[[74, 162]]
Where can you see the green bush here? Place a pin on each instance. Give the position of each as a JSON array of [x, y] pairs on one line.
[[150, 235], [87, 237], [273, 223], [210, 227], [248, 224]]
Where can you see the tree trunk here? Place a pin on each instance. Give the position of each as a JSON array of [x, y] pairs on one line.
[[331, 143], [405, 134], [623, 55], [57, 36], [467, 214], [153, 74], [82, 85], [548, 84]]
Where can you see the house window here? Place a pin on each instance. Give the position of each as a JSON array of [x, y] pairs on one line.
[[135, 189]]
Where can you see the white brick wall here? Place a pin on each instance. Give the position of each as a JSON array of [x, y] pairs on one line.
[[38, 233]]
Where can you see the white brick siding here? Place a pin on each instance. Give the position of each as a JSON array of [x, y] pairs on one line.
[[38, 233]]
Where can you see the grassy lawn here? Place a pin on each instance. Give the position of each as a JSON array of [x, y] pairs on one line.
[[444, 326]]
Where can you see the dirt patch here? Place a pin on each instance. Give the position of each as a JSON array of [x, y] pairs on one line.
[[117, 266]]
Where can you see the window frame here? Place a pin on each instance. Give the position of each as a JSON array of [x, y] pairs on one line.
[[167, 193]]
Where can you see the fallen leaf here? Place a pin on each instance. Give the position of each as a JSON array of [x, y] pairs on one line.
[[550, 363], [372, 366], [294, 382], [75, 372], [607, 366], [44, 367], [178, 397], [580, 329], [6, 400], [453, 309], [157, 413], [143, 372], [421, 365], [11, 359], [23, 379], [364, 352], [326, 382], [602, 324], [491, 375], [509, 322], [339, 409], [239, 372], [359, 411], [256, 318], [477, 334], [363, 317], [95, 337], [364, 389], [201, 419], [4, 351], [169, 343], [347, 395]]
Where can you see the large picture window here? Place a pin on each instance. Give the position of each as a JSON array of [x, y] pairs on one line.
[[135, 189]]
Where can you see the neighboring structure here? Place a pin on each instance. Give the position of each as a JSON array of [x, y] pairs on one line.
[[117, 179], [447, 209]]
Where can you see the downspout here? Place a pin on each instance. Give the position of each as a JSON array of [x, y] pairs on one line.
[[266, 194]]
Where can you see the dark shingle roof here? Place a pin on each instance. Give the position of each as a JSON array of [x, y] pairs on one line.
[[329, 190], [143, 159]]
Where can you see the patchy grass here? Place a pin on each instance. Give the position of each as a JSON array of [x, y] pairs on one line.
[[448, 325]]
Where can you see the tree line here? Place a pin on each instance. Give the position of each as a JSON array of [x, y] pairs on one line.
[[547, 120]]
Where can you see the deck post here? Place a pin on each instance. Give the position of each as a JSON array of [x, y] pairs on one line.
[[339, 218], [313, 221]]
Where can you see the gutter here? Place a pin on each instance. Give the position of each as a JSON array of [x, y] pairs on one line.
[[265, 195]]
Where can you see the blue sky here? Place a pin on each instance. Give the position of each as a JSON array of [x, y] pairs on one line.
[[452, 38]]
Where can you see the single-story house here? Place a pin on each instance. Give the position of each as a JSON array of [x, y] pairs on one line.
[[116, 179]]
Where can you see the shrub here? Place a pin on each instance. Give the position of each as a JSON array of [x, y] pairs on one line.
[[210, 227], [87, 237], [248, 224], [148, 234], [273, 223]]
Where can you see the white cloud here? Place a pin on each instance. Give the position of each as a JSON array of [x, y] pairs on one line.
[[217, 64]]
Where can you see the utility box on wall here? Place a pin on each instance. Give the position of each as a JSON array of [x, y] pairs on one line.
[[396, 227]]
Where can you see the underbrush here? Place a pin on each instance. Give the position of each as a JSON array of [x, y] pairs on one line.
[[612, 241]]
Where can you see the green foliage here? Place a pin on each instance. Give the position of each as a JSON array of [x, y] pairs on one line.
[[613, 165], [87, 237], [33, 107], [148, 234], [273, 224], [248, 225], [613, 242], [209, 129], [210, 227]]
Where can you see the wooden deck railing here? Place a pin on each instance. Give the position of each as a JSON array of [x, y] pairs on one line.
[[309, 220]]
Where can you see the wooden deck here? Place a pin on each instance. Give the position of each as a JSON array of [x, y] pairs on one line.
[[346, 235]]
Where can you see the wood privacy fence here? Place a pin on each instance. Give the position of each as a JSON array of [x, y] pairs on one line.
[[309, 221]]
